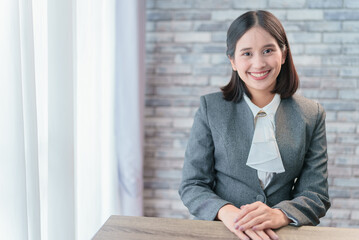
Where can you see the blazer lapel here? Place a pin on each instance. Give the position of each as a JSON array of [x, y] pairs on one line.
[[244, 123], [290, 135], [244, 129]]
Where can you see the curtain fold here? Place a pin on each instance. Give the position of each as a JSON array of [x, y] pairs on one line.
[[18, 146], [130, 103], [13, 205], [30, 119], [95, 162], [61, 175]]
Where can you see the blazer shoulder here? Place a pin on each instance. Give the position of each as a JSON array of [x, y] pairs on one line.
[[213, 97], [216, 104], [308, 108], [215, 100]]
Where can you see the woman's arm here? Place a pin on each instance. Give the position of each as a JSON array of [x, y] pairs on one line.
[[198, 177], [310, 193], [198, 180]]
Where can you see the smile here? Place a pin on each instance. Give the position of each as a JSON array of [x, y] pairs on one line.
[[258, 75]]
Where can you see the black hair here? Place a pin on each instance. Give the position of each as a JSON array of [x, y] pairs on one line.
[[287, 80]]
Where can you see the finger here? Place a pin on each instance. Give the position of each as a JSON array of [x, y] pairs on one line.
[[243, 206], [253, 222], [241, 235], [263, 235], [272, 234], [251, 219], [240, 215], [245, 210], [262, 226], [252, 234], [251, 206]]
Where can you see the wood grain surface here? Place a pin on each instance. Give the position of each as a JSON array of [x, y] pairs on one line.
[[136, 228]]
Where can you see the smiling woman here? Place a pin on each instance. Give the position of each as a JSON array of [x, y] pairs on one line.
[[257, 157], [258, 61], [267, 36]]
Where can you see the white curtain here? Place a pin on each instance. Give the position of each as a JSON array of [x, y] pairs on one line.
[[64, 163], [19, 181], [130, 68]]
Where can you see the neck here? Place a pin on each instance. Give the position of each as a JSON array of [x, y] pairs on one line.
[[262, 99]]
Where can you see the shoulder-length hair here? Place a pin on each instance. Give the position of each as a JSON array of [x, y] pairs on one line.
[[287, 80]]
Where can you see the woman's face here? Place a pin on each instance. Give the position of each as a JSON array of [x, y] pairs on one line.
[[258, 60]]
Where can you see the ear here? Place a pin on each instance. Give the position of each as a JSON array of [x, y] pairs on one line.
[[232, 63], [284, 55]]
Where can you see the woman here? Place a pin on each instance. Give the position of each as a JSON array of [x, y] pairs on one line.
[[257, 157]]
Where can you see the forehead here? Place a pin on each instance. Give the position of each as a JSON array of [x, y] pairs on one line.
[[256, 37]]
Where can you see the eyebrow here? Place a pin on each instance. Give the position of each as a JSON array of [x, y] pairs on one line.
[[265, 46]]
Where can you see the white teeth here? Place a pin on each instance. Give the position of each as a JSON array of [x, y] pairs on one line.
[[259, 74]]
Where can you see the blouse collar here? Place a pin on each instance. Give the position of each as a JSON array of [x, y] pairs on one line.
[[270, 109]]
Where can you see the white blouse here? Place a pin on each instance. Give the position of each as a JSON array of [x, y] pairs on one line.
[[264, 155]]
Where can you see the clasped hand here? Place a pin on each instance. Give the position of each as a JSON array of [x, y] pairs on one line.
[[253, 221]]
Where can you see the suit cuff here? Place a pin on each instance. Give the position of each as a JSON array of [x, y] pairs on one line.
[[294, 221], [290, 212]]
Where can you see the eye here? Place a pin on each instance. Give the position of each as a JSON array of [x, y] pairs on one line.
[[246, 54], [267, 51]]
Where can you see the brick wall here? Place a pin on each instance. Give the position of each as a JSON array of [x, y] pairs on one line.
[[186, 58]]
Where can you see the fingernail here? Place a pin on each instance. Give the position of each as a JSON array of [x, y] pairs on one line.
[[241, 228], [235, 220], [236, 227]]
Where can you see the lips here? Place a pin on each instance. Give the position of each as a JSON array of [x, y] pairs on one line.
[[259, 75]]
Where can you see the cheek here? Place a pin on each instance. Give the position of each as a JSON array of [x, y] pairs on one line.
[[242, 73], [279, 60], [243, 66]]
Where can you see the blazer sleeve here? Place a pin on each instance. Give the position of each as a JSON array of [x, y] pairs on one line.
[[310, 193], [198, 176]]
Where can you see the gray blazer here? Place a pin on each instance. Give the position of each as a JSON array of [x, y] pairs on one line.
[[215, 171]]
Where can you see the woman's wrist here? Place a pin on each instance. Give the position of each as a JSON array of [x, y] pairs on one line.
[[284, 220], [223, 210]]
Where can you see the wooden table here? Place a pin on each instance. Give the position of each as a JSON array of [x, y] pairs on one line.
[[147, 228]]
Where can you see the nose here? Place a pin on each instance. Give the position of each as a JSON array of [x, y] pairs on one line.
[[258, 62]]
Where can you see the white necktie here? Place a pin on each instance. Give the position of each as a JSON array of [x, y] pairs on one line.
[[264, 154]]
